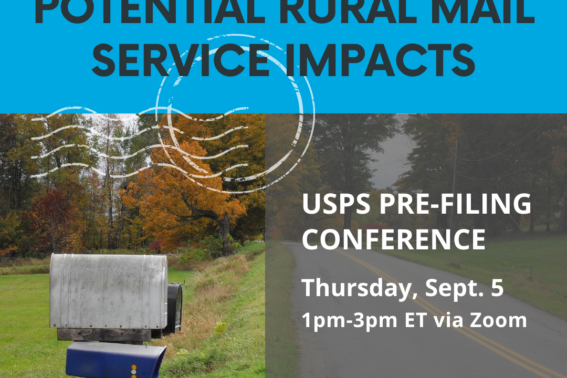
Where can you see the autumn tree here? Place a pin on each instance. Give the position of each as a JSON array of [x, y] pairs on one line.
[[176, 206], [17, 188], [53, 222], [22, 157], [247, 132], [10, 234], [138, 135]]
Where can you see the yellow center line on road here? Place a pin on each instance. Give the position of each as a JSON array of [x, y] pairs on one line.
[[471, 334]]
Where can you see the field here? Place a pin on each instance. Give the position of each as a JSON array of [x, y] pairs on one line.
[[24, 266], [28, 348], [511, 260]]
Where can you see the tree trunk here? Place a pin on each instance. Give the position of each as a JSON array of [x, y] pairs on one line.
[[532, 213], [120, 228], [532, 222], [548, 220], [54, 236], [109, 187], [563, 216], [224, 227], [349, 184], [224, 230], [110, 217], [441, 221], [347, 225]]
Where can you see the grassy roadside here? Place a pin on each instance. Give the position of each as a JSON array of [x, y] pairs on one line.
[[510, 260], [224, 322], [24, 266], [18, 270], [282, 354]]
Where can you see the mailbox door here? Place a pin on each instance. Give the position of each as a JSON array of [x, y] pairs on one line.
[[174, 308], [104, 360]]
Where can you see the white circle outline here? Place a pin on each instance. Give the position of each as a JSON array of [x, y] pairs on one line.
[[276, 165]]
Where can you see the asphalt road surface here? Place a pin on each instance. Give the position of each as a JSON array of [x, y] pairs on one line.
[[539, 350]]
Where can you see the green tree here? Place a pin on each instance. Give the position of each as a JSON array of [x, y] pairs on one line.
[[344, 144], [502, 154]]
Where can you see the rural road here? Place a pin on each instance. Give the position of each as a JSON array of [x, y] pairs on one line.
[[539, 350]]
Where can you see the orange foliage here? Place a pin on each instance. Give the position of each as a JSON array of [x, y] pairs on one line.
[[5, 252], [176, 206]]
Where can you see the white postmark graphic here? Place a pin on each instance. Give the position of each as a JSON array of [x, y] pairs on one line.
[[201, 174]]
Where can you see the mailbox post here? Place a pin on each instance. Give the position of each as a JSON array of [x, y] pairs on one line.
[[103, 303]]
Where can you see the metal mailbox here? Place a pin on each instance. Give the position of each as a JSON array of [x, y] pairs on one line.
[[105, 360], [108, 292], [113, 298]]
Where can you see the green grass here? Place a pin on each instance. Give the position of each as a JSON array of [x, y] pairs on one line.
[[225, 337], [541, 228], [243, 344], [510, 260], [179, 276], [28, 347], [16, 270], [25, 266], [282, 353]]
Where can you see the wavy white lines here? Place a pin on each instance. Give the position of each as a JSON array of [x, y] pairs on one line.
[[192, 176], [68, 165], [297, 93], [186, 156], [170, 110], [126, 157], [301, 112], [221, 154], [156, 108], [90, 130], [230, 35], [224, 171], [64, 110], [196, 119], [221, 135], [256, 176], [198, 176], [188, 176], [174, 140]]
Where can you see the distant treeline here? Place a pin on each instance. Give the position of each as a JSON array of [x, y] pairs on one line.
[[468, 153], [73, 208]]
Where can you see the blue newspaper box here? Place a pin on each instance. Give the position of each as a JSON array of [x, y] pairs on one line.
[[106, 360]]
